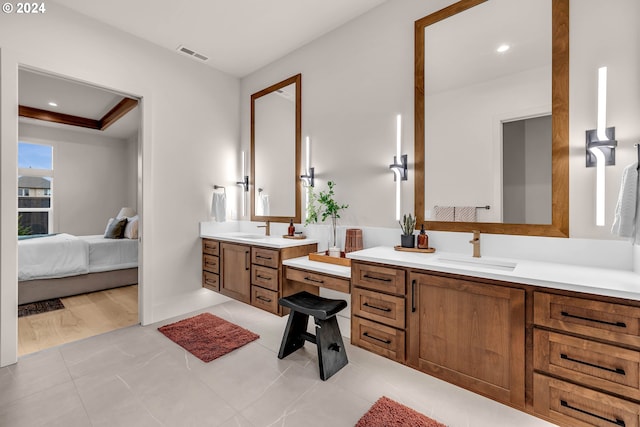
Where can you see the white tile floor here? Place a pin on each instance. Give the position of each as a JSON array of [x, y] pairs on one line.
[[138, 377]]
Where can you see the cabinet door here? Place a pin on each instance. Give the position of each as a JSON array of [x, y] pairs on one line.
[[235, 278], [468, 333]]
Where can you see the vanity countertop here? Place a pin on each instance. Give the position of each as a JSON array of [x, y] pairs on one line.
[[258, 239], [304, 263], [599, 281]]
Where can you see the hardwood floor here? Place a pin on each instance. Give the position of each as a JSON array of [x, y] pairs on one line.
[[84, 316]]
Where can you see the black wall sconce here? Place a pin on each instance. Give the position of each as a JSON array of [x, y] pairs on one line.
[[309, 178], [399, 169]]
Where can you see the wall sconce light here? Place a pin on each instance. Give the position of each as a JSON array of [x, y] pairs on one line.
[[244, 182], [399, 166], [601, 145], [309, 176]]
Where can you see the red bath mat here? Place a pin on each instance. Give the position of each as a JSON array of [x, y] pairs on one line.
[[207, 336], [389, 413]]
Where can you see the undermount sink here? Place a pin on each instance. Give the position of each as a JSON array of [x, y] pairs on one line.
[[249, 236], [495, 264]]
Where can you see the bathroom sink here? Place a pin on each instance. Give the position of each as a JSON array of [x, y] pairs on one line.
[[469, 261], [250, 236]]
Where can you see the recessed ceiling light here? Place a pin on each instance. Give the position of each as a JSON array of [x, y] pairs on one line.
[[503, 48], [53, 104]]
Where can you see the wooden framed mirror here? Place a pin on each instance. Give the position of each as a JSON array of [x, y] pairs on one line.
[[462, 19], [276, 189]]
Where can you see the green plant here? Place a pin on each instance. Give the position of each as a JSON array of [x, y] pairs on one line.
[[23, 230], [323, 205], [408, 224]]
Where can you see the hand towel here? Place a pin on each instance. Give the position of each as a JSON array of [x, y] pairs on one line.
[[444, 213], [219, 206], [262, 205], [626, 222], [464, 214]]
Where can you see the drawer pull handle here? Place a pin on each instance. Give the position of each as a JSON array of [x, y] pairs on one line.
[[263, 257], [382, 279], [313, 280], [263, 277], [366, 334], [617, 421], [413, 296], [265, 299], [366, 304], [604, 322], [604, 368]]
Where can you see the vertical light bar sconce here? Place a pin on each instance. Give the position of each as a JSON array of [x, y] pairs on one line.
[[399, 166], [244, 183], [600, 146], [309, 175]]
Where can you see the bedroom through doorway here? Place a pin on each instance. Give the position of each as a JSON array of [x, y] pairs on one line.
[[79, 188]]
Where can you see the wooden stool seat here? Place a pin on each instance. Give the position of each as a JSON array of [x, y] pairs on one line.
[[331, 353]]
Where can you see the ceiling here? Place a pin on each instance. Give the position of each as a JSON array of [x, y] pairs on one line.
[[238, 36]]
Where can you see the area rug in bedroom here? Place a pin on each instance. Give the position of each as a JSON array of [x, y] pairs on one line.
[[389, 413], [207, 336], [40, 307]]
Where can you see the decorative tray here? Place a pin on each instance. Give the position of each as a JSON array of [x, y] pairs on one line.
[[296, 237], [323, 257], [426, 251]]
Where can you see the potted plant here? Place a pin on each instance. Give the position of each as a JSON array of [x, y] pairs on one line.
[[407, 224], [324, 206]]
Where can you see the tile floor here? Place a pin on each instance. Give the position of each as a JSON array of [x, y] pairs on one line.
[[137, 377]]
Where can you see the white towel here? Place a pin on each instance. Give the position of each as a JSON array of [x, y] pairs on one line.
[[219, 206], [464, 214], [262, 205], [626, 222], [444, 213]]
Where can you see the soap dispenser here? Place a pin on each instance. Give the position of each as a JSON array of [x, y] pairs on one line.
[[423, 239], [292, 228]]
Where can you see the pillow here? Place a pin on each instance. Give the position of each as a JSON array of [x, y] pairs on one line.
[[115, 228], [131, 229]]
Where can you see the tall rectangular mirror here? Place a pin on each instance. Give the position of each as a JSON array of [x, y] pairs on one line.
[[275, 152], [491, 117]]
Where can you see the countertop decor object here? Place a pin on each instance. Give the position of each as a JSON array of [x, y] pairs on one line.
[[324, 206], [425, 250], [353, 240], [323, 257], [295, 236], [407, 224]]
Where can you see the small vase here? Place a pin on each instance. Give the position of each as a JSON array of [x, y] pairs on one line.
[[407, 240]]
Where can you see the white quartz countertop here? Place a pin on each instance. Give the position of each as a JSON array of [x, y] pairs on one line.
[[321, 267], [599, 281], [258, 239]]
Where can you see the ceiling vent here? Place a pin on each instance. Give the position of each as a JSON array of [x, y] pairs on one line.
[[186, 51]]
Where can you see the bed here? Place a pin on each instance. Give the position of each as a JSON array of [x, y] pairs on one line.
[[60, 265]]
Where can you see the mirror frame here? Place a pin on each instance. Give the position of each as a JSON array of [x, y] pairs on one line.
[[559, 226], [297, 217]]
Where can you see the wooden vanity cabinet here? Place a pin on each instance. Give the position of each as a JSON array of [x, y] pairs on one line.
[[211, 264], [586, 361], [378, 308], [235, 280], [469, 333]]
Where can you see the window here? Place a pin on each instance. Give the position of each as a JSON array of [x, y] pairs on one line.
[[35, 185]]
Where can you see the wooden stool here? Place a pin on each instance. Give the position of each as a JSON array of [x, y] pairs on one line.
[[331, 354]]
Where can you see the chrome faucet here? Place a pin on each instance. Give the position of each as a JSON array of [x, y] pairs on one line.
[[267, 228], [476, 243]]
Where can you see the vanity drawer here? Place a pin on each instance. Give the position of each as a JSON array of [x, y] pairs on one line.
[[211, 281], [211, 247], [377, 338], [616, 323], [383, 308], [264, 299], [576, 406], [587, 362], [265, 277], [379, 278], [266, 257], [211, 263], [318, 279]]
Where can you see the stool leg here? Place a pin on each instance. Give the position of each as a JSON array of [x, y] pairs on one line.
[[293, 337], [331, 353]]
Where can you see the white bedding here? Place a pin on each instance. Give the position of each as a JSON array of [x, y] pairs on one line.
[[63, 255], [111, 254], [47, 257]]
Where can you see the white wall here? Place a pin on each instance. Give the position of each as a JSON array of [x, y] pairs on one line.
[[91, 177], [189, 142], [355, 79]]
